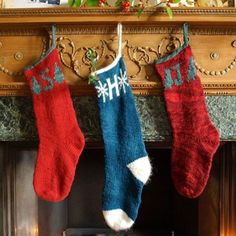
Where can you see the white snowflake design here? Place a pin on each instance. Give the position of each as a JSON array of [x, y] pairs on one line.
[[102, 90], [123, 80]]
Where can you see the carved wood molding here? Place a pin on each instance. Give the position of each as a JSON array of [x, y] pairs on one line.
[[109, 28], [144, 40], [65, 11]]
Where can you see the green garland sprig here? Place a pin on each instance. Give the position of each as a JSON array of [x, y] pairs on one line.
[[92, 57], [125, 5]]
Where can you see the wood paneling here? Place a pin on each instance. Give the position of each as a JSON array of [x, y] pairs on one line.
[[209, 201], [20, 211], [228, 191]]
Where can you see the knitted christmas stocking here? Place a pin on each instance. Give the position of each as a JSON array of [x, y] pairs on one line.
[[61, 140], [127, 166], [195, 139]]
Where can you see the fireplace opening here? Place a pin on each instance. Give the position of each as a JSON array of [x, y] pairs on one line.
[[163, 211], [158, 213]]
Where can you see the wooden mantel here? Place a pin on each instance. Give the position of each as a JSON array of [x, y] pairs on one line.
[[24, 37], [113, 15]]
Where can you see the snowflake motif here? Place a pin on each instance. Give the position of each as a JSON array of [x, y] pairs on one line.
[[102, 90], [123, 80]]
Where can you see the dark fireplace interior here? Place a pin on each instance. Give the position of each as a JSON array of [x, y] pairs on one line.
[[163, 210]]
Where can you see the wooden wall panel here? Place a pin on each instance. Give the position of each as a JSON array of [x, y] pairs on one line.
[[228, 191]]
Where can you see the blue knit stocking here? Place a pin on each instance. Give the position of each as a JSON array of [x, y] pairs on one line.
[[127, 166]]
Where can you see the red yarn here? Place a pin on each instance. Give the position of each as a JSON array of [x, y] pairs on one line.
[[195, 139], [61, 140]]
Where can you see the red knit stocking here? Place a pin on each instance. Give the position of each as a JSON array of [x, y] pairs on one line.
[[195, 139], [61, 140]]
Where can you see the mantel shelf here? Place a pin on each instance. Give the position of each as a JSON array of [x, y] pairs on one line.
[[113, 15]]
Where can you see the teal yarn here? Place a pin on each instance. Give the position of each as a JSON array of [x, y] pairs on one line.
[[127, 167]]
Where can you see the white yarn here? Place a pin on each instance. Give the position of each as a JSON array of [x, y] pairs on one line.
[[117, 219], [141, 169]]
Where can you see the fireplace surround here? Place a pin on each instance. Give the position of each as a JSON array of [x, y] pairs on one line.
[[163, 211]]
